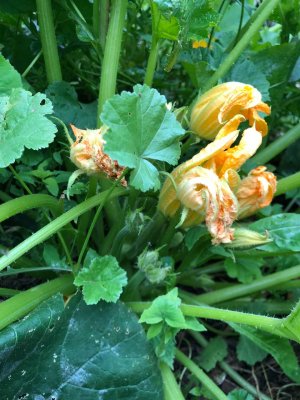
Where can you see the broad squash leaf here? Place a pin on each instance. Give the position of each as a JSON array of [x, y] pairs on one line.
[[23, 124], [142, 130], [215, 351], [82, 352]]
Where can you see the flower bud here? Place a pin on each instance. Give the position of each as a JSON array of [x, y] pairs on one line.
[[245, 238], [88, 155], [256, 191], [221, 103]]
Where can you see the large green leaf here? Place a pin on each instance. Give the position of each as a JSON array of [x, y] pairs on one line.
[[23, 124], [82, 352], [142, 129], [284, 229], [9, 77]]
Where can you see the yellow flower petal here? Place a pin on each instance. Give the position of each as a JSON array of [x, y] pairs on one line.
[[222, 103]]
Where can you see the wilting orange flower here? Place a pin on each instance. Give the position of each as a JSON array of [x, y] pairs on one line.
[[256, 191], [203, 194], [218, 105], [88, 155], [208, 186]]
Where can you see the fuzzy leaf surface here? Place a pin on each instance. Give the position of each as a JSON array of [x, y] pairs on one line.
[[142, 131]]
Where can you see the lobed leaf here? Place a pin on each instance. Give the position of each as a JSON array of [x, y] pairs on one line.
[[101, 278], [23, 124], [142, 131]]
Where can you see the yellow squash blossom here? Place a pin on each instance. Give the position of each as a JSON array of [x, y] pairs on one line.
[[201, 192], [207, 187], [88, 155], [256, 191], [218, 105]]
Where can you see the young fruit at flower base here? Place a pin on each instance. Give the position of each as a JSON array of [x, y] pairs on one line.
[[221, 103], [245, 238], [88, 155], [256, 191]]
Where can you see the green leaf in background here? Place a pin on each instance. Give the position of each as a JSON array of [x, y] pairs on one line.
[[215, 351], [82, 352], [195, 17], [164, 28], [101, 278], [194, 235], [67, 107], [23, 123], [142, 130], [244, 269], [247, 72], [239, 394], [284, 229], [9, 77], [277, 63], [279, 348], [249, 352]]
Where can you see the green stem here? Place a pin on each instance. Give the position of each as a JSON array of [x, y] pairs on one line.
[[30, 66], [60, 236], [267, 324], [84, 220], [247, 25], [96, 216], [265, 11], [18, 306], [104, 17], [48, 39], [19, 179], [275, 148], [244, 289], [28, 202], [171, 388], [230, 371], [112, 53], [289, 183], [205, 380], [271, 307], [4, 292], [152, 60], [54, 226]]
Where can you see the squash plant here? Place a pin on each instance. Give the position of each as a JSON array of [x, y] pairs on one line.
[[149, 197]]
